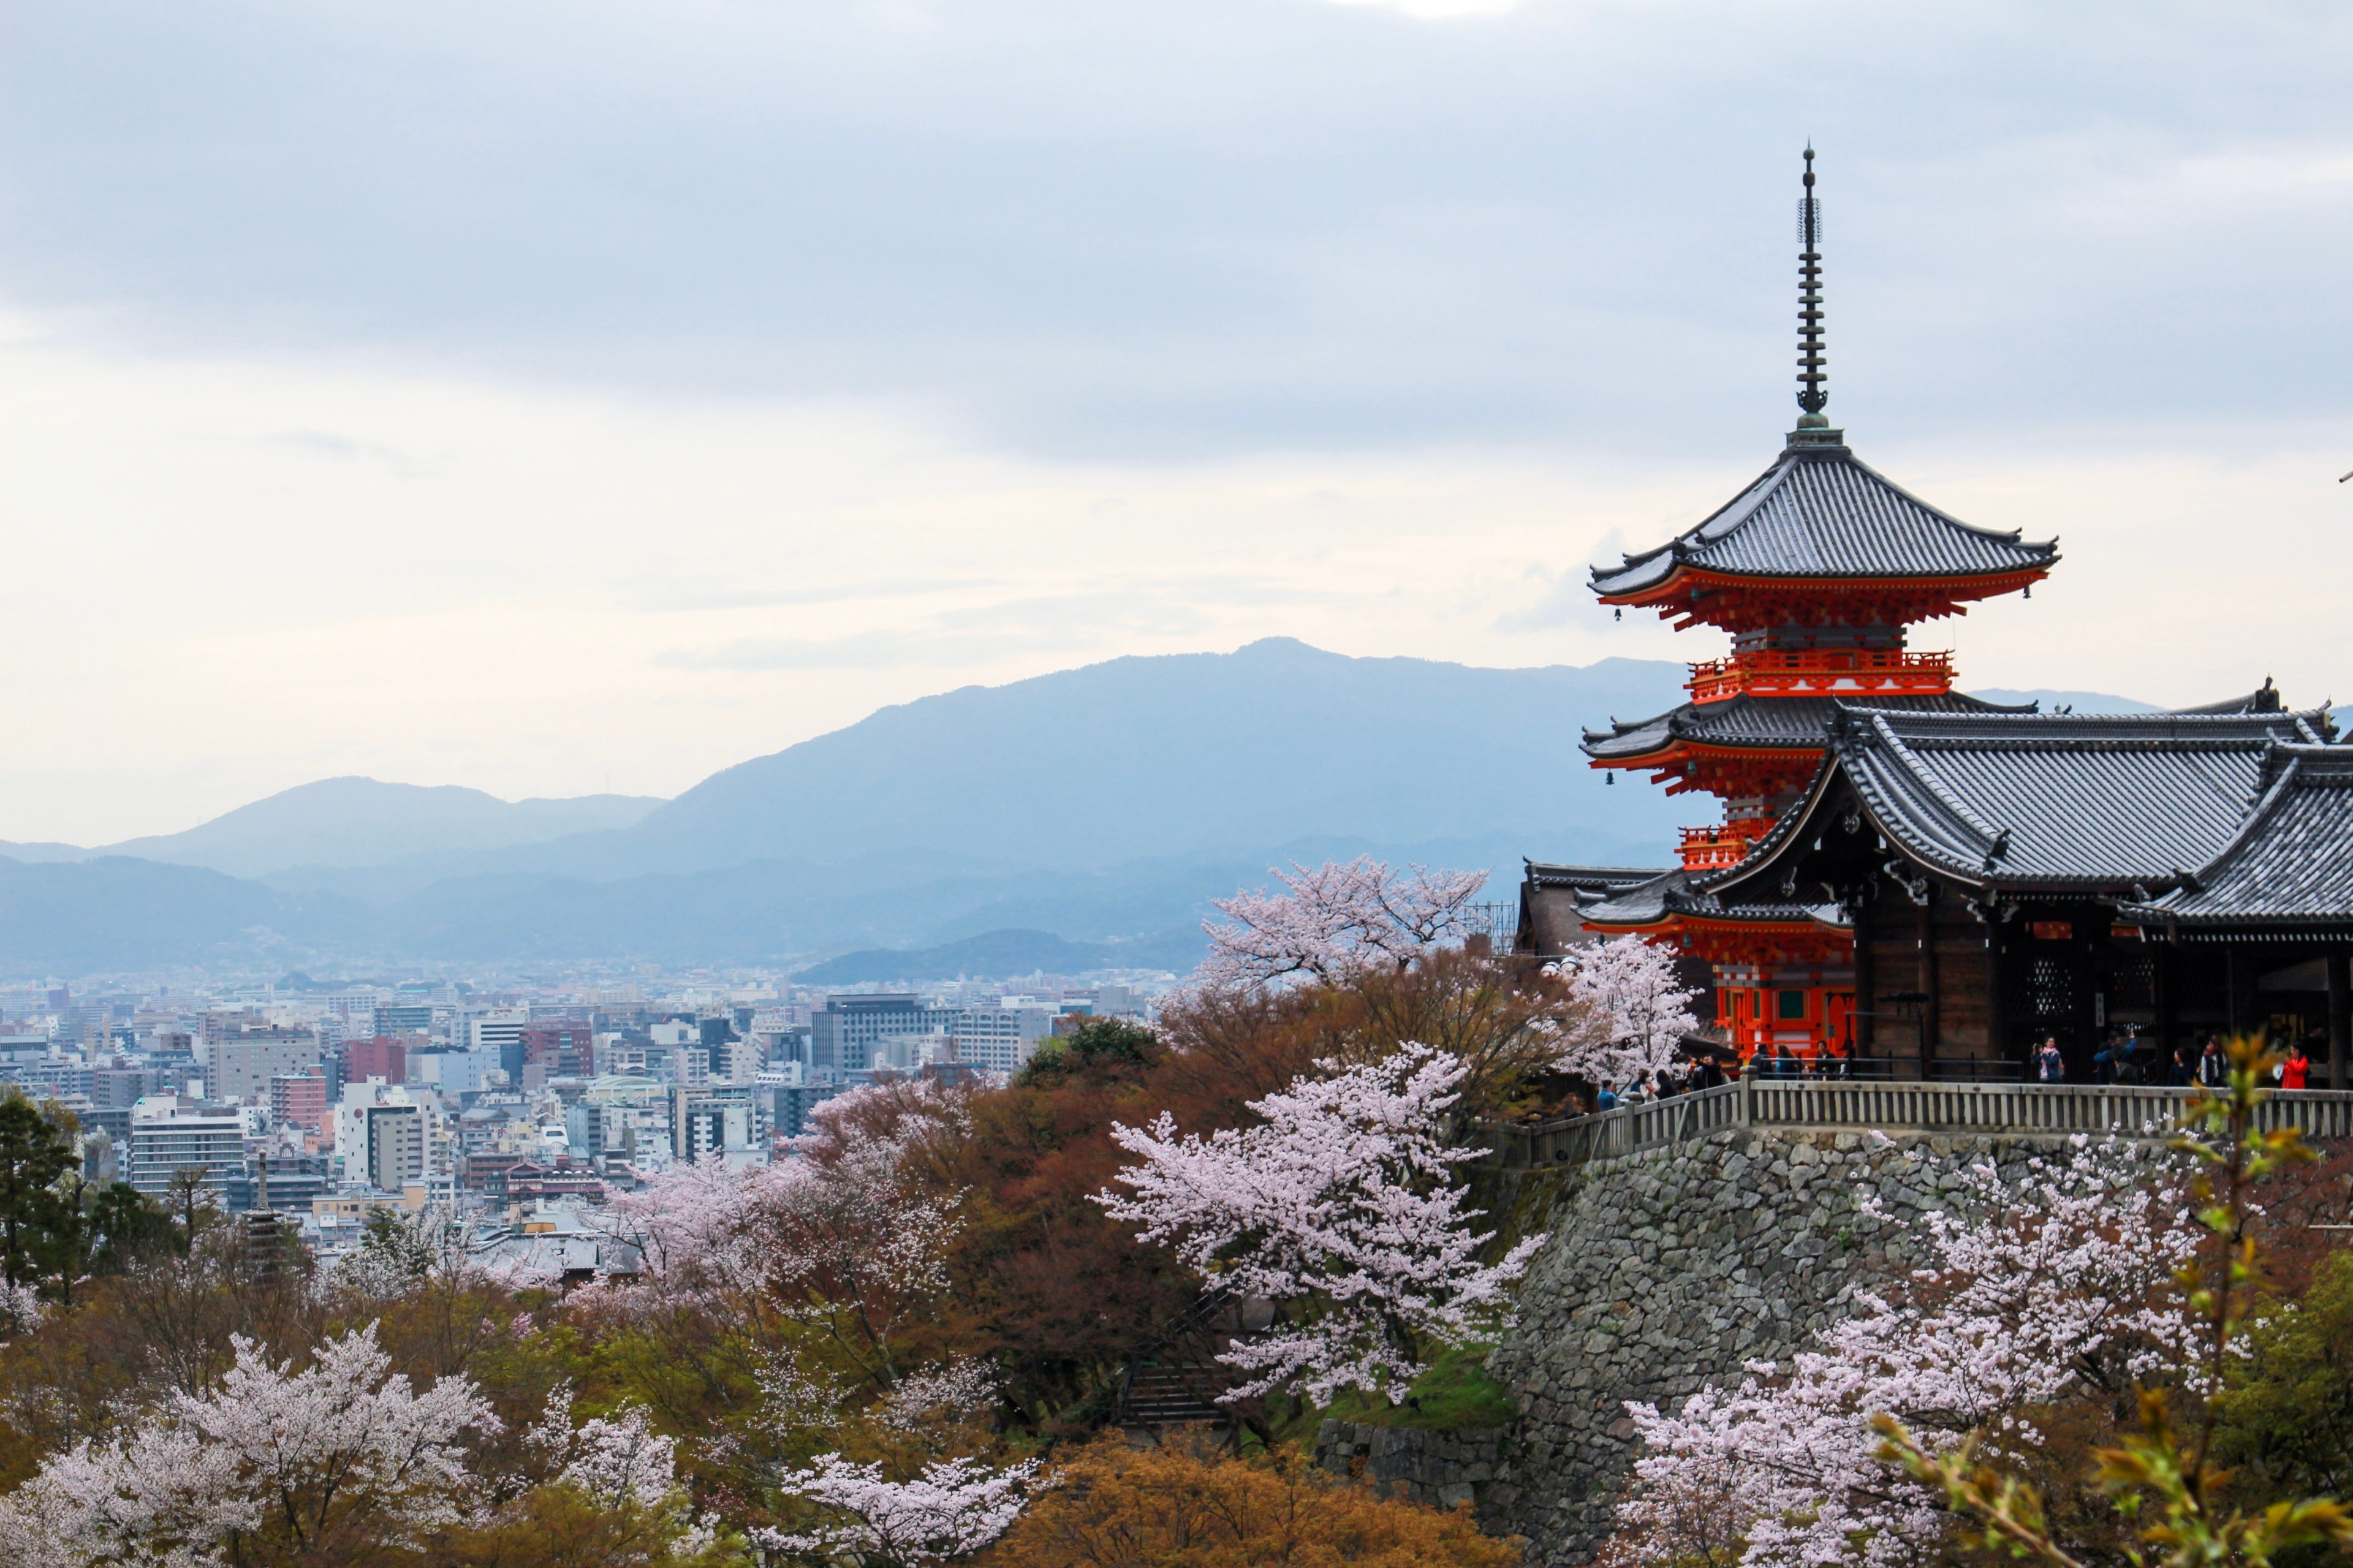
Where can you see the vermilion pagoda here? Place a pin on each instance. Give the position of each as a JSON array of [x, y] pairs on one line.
[[1817, 571]]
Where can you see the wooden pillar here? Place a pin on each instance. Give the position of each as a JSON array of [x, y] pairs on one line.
[[1928, 1020], [1997, 1038], [2239, 980], [2160, 976], [2339, 966], [1866, 1027]]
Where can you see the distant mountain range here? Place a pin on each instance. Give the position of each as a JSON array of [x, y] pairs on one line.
[[339, 824], [1097, 808]]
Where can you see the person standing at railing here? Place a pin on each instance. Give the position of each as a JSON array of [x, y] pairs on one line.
[[2296, 1071], [2213, 1067], [2180, 1074], [2050, 1067]]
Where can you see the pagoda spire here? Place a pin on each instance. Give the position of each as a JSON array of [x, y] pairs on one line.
[[1813, 381]]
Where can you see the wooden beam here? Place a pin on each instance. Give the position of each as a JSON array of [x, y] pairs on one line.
[[1928, 1015], [2341, 1017]]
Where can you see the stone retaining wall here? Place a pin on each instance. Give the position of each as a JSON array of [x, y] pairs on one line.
[[1441, 1469], [1668, 1270]]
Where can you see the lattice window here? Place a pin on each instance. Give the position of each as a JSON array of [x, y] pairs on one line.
[[2136, 982], [2048, 991]]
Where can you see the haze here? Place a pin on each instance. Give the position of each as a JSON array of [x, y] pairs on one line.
[[569, 398]]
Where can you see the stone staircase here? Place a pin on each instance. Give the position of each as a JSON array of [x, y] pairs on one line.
[[1176, 1379]]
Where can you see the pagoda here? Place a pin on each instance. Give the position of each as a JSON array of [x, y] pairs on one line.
[[1817, 572]]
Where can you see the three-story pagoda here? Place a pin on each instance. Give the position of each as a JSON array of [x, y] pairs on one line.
[[1817, 572]]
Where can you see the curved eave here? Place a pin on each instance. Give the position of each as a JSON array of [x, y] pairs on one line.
[[1683, 585], [1729, 920], [1701, 750]]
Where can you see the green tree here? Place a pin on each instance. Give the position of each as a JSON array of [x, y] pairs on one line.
[[1095, 1044], [37, 1215], [123, 1225]]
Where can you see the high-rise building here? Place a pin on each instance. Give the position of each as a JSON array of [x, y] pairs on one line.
[[244, 1063], [301, 1101], [396, 1146], [170, 1133], [500, 1035], [842, 1037], [557, 1048], [382, 1057]]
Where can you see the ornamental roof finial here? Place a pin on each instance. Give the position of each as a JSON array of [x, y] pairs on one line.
[[1813, 382]]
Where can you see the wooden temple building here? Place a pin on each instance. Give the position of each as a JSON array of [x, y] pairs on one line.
[[1907, 874]]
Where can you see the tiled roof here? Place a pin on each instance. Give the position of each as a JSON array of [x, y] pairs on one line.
[[1760, 723], [1819, 513], [1666, 893], [2056, 800], [2293, 860]]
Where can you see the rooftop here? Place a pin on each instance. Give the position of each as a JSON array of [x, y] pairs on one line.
[[1820, 519], [2052, 802]]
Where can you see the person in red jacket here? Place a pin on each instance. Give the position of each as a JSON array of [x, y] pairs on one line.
[[2296, 1069]]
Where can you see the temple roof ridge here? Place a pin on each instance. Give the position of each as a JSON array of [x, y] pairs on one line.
[[1822, 512]]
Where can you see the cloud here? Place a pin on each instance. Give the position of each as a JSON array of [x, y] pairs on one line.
[[1193, 230]]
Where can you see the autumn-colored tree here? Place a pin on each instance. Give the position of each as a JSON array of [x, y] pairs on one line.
[[1187, 1506]]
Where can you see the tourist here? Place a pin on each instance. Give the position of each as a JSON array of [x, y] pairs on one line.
[[2104, 1062], [2213, 1067], [1605, 1100], [2296, 1071], [2181, 1074], [2050, 1067]]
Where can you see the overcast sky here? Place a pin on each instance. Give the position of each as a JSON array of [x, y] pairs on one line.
[[557, 397]]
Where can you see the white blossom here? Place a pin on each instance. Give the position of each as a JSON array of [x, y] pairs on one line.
[[1634, 1014], [618, 1460], [1335, 920], [954, 1507], [952, 1391], [1345, 1200], [271, 1448], [2039, 1290]]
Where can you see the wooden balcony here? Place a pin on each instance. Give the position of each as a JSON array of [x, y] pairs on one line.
[[1823, 672], [1712, 848]]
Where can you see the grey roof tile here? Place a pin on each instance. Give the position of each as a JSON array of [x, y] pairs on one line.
[[1761, 722], [1820, 512]]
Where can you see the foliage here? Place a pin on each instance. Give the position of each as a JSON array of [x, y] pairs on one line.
[[274, 1465], [2286, 1418], [1343, 1205], [1458, 1394], [1333, 921], [869, 1520], [2163, 1478], [1094, 1045], [2053, 1286], [1179, 1506]]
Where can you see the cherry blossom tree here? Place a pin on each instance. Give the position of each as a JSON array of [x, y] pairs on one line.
[[1632, 1013], [835, 1237], [2056, 1283], [952, 1508], [1334, 920], [618, 1462], [1343, 1202], [341, 1451]]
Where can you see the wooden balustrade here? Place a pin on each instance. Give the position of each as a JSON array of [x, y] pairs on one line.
[[1894, 1107]]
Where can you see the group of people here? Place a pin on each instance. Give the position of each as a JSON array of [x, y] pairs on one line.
[[2125, 1058]]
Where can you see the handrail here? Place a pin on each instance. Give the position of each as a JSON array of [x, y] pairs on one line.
[[1893, 1106]]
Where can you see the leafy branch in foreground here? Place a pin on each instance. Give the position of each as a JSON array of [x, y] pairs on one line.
[[2162, 1477]]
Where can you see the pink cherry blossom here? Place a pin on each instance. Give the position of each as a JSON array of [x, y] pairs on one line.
[[1634, 1012], [1343, 1202], [1334, 920], [952, 1508], [294, 1453], [2048, 1285]]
